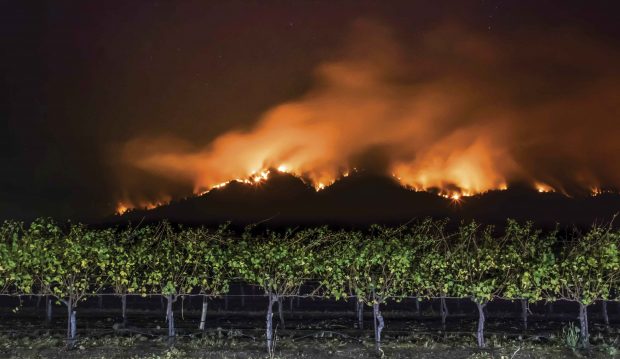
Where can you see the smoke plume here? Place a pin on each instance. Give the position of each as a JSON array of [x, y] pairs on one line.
[[451, 109]]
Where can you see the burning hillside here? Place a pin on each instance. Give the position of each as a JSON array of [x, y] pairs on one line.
[[455, 112]]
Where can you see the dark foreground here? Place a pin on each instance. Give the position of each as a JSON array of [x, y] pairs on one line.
[[313, 329], [139, 347]]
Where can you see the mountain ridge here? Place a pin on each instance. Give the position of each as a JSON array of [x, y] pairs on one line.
[[361, 199]]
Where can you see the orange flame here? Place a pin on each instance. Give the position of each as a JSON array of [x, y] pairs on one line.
[[543, 188], [435, 121], [125, 206]]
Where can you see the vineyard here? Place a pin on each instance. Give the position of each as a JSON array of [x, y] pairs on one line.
[[420, 262]]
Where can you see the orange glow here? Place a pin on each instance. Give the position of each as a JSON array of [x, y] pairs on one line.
[[543, 188], [441, 125], [260, 177], [124, 206], [121, 208], [596, 191]]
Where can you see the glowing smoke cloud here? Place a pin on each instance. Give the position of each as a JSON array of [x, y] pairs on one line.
[[453, 110]]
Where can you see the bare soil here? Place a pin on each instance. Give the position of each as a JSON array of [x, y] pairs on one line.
[[313, 329]]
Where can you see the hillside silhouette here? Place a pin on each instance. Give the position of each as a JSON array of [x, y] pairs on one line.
[[362, 199]]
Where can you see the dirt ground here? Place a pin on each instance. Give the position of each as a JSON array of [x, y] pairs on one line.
[[140, 347], [312, 330]]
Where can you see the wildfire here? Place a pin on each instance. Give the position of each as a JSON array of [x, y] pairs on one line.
[[258, 177], [123, 207], [254, 178], [437, 121], [543, 188], [596, 191]]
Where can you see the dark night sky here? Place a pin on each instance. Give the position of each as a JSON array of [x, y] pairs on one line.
[[78, 79]]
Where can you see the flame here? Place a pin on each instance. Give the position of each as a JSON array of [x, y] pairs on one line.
[[126, 205], [122, 208], [435, 121], [597, 191], [261, 176], [254, 178], [319, 136], [543, 188]]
